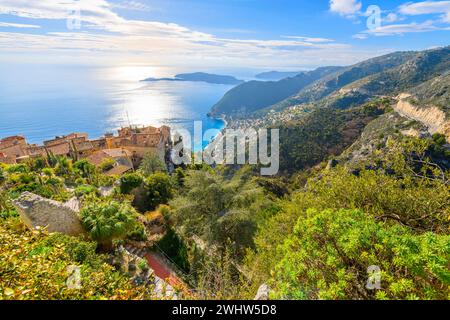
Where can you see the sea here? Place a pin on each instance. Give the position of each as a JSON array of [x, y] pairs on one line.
[[43, 101]]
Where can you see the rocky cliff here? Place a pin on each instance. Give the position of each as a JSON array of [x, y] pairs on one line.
[[432, 117]]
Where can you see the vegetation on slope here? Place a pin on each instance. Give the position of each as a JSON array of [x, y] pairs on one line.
[[35, 265], [253, 95]]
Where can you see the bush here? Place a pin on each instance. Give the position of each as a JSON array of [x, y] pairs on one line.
[[329, 252], [35, 266], [130, 181], [83, 190], [107, 164]]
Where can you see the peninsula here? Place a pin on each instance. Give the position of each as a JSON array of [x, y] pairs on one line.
[[200, 77]]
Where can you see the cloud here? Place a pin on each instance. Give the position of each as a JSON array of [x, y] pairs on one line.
[[18, 25], [400, 29], [345, 7], [107, 35], [309, 39], [427, 7], [131, 5]]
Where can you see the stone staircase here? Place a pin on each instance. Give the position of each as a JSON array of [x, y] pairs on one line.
[[140, 252]]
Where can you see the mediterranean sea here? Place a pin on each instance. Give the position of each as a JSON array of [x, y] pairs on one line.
[[42, 101]]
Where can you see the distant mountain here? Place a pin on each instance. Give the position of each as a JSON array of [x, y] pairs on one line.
[[200, 77], [386, 75], [254, 95], [276, 75]]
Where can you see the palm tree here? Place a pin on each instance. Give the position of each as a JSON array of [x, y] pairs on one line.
[[63, 166], [106, 221]]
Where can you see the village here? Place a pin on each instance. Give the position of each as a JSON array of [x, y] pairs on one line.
[[126, 149]]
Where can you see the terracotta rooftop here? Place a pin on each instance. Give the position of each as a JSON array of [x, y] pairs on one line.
[[118, 170], [117, 152], [98, 157], [10, 141], [59, 149]]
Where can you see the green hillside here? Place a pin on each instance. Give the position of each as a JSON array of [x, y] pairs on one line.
[[254, 95]]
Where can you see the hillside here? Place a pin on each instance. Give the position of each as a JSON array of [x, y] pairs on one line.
[[338, 80], [435, 91], [276, 75], [253, 95]]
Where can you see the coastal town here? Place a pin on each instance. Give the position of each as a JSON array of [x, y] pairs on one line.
[[126, 149]]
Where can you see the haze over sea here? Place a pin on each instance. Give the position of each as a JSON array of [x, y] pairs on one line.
[[42, 101]]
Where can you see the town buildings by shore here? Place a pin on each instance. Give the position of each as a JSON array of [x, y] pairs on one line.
[[127, 148]]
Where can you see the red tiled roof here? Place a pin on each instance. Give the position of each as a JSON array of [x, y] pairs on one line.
[[117, 153], [98, 157], [118, 170], [60, 149]]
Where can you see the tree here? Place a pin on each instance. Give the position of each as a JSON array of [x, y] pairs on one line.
[[157, 190], [130, 181], [151, 163], [85, 168], [63, 166], [106, 221]]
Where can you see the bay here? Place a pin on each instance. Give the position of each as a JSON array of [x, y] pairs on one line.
[[43, 101]]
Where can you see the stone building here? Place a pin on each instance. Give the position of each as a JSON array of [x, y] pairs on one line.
[[134, 141]]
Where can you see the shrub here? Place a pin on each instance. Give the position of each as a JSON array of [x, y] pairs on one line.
[[83, 190], [329, 252], [130, 181], [17, 168], [107, 164], [35, 266]]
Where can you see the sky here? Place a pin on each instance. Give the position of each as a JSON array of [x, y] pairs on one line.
[[214, 34]]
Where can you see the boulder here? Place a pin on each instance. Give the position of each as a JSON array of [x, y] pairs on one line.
[[36, 211]]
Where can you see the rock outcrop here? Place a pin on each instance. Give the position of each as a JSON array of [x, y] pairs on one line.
[[36, 211], [431, 116]]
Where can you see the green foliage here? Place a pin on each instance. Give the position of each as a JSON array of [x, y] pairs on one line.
[[84, 190], [84, 168], [322, 133], [107, 164], [254, 95], [130, 181], [35, 266], [63, 166], [329, 252], [219, 210], [157, 190], [108, 220], [17, 168], [179, 177], [173, 246], [151, 164]]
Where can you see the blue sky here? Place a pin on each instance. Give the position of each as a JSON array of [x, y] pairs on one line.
[[273, 34]]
